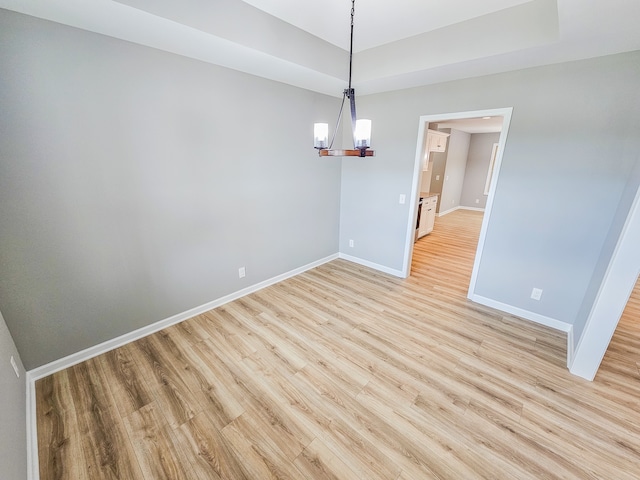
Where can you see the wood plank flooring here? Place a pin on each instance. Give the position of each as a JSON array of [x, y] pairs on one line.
[[347, 373]]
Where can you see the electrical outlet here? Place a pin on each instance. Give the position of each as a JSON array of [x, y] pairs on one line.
[[15, 367], [437, 177], [241, 272], [403, 198], [477, 200], [536, 293], [351, 243]]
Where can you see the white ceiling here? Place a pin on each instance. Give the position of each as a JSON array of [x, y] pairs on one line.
[[398, 44], [474, 125], [376, 21]]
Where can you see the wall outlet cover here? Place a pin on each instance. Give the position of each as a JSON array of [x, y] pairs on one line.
[[536, 293]]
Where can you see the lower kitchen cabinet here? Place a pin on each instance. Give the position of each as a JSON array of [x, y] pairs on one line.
[[427, 215]]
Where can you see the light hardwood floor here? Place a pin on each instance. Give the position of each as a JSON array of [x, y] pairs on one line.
[[346, 373]]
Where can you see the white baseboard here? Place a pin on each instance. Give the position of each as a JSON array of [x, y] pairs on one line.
[[451, 210], [375, 266], [33, 472], [460, 207], [86, 354], [570, 349], [473, 209], [33, 466], [526, 314]]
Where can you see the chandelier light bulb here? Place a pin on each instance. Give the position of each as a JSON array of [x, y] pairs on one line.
[[363, 133], [320, 135]]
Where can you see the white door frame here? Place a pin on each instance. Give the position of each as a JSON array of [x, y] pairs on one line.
[[505, 113], [617, 285]]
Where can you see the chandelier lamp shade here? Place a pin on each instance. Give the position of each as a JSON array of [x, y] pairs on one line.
[[361, 129]]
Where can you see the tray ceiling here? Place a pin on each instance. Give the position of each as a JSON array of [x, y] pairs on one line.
[[398, 44]]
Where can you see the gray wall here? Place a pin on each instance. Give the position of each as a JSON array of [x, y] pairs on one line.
[[608, 249], [572, 143], [13, 441], [134, 183], [475, 176], [425, 179], [455, 168], [437, 174]]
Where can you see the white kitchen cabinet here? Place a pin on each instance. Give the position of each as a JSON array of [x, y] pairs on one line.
[[427, 215], [436, 141]]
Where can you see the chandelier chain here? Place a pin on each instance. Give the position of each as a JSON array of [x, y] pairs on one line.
[[353, 9], [350, 93]]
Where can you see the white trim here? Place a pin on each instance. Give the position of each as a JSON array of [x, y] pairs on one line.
[[33, 466], [447, 212], [505, 113], [473, 209], [86, 354], [526, 314], [460, 207], [613, 295], [375, 266], [506, 122], [492, 163], [570, 352], [414, 199]]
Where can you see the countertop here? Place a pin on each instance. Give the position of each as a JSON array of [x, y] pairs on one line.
[[428, 194]]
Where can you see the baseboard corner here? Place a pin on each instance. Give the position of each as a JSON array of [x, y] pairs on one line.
[[373, 265]]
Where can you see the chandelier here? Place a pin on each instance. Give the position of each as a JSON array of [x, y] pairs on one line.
[[361, 129]]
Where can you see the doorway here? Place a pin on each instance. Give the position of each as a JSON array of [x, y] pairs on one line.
[[451, 120]]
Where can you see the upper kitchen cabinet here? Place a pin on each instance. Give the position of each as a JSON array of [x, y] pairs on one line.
[[436, 141]]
